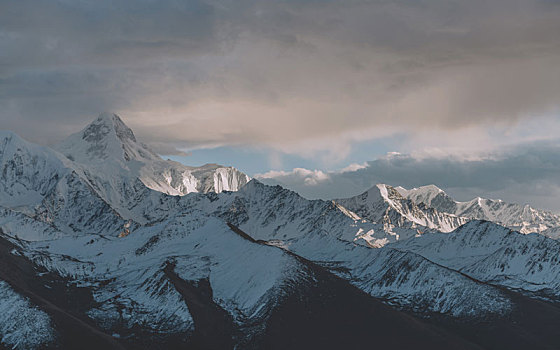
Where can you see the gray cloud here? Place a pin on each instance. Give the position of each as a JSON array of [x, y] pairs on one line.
[[528, 173], [298, 76]]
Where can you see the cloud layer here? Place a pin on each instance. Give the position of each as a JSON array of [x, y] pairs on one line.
[[296, 76], [526, 174]]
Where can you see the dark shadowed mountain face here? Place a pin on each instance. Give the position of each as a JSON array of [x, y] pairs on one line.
[[94, 255]]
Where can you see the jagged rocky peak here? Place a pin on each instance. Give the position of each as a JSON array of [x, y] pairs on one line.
[[110, 122], [427, 192], [107, 137], [378, 194], [389, 192], [431, 196]]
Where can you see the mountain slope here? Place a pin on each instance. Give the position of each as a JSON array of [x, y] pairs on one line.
[[492, 253]]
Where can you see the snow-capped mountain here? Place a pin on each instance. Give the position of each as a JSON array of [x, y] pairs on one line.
[[90, 249], [522, 218], [385, 205], [108, 146]]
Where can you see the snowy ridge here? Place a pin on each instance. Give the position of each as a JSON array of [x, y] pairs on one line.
[[492, 253], [522, 218], [29, 171], [268, 213], [41, 184], [324, 232], [384, 205], [274, 213]]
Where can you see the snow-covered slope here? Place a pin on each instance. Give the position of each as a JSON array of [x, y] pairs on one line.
[[495, 254], [522, 218], [28, 171], [383, 204], [127, 274], [108, 147], [267, 213], [403, 278], [42, 184], [22, 325], [323, 232], [284, 218]]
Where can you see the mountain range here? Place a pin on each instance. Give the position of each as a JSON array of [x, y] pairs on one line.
[[104, 243]]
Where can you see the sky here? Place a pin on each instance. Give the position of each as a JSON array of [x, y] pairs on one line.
[[332, 87]]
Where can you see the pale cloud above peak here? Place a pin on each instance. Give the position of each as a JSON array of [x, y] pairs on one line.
[[308, 177]]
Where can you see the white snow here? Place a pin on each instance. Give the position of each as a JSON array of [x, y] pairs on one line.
[[522, 218], [385, 205], [107, 147], [22, 325]]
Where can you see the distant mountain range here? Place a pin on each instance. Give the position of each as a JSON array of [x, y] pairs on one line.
[[105, 244], [430, 207]]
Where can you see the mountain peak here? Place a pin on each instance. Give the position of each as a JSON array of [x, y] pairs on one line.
[[109, 122], [108, 143], [114, 122], [386, 192], [107, 137]]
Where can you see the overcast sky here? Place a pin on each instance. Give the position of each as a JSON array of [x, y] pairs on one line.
[[277, 85]]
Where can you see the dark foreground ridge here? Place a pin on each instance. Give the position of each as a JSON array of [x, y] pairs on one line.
[[214, 327], [315, 310], [324, 311], [533, 324]]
